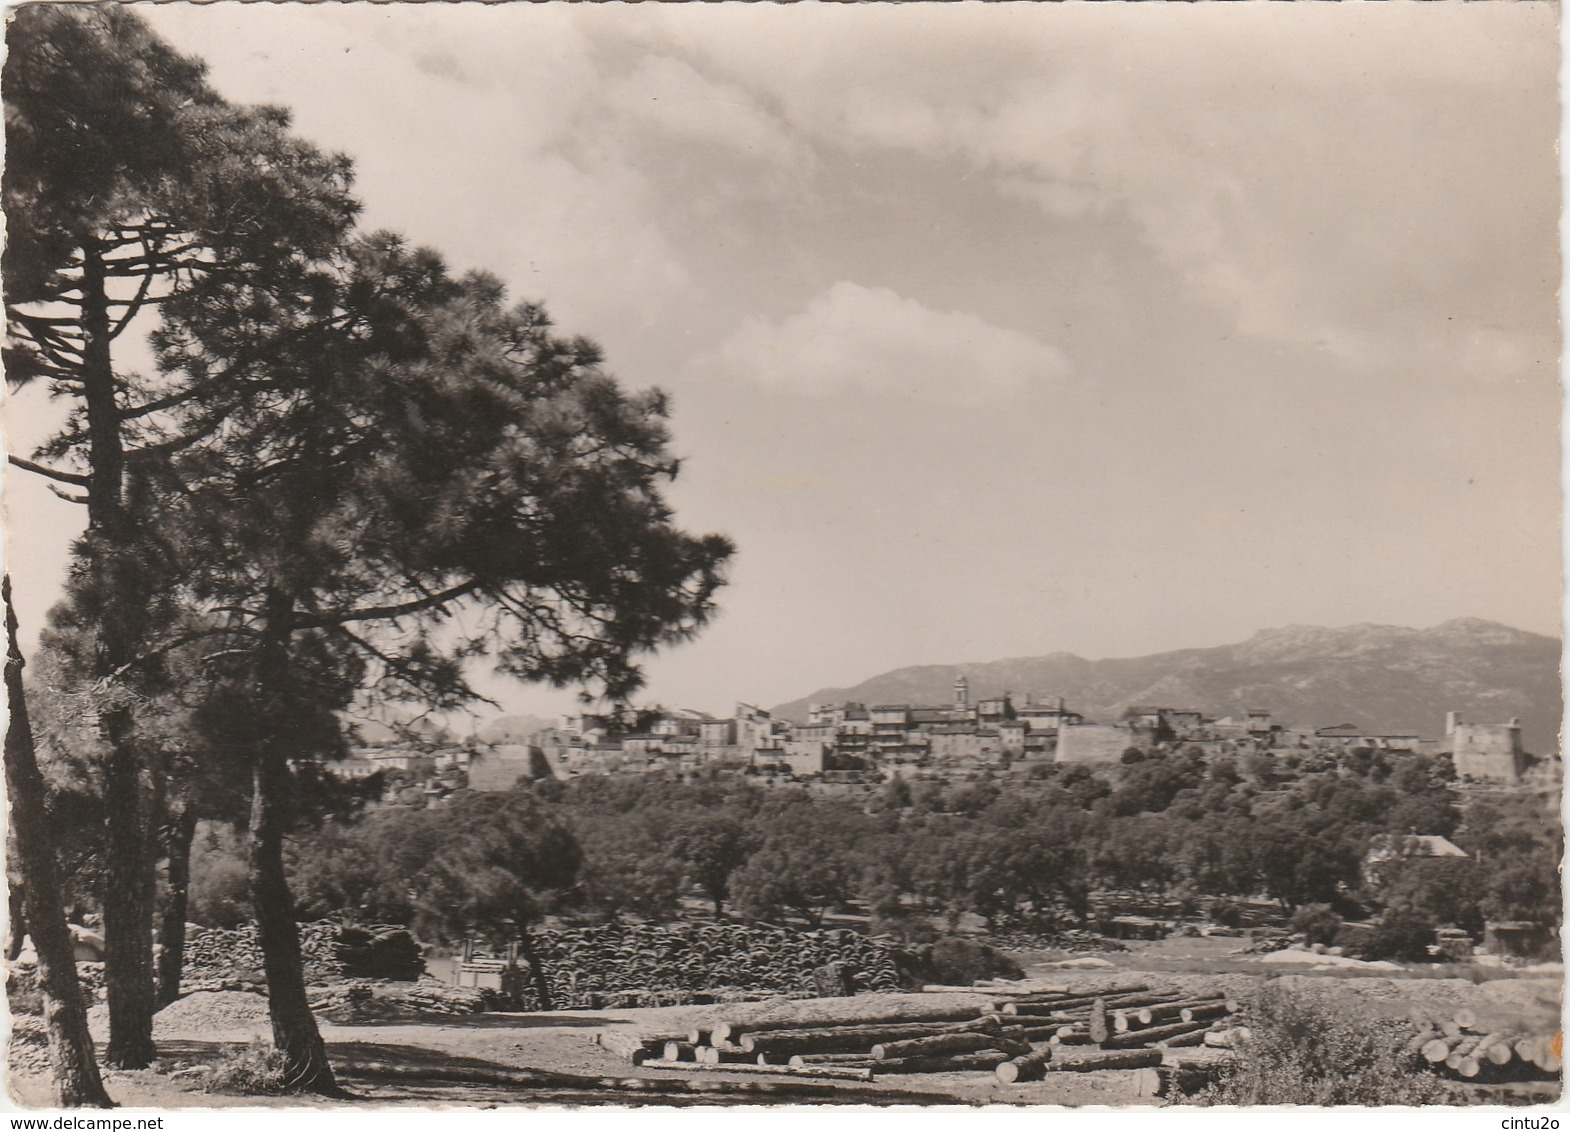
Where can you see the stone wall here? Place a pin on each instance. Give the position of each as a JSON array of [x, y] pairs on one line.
[[499, 768], [1097, 743]]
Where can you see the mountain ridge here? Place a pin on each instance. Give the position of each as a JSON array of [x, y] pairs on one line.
[[1389, 677]]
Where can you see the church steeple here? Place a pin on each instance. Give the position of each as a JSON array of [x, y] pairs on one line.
[[961, 694]]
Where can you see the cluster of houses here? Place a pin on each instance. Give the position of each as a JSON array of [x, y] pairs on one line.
[[852, 744]]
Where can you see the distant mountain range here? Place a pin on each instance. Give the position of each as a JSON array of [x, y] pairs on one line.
[[1377, 676]]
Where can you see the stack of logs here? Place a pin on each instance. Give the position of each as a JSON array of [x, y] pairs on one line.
[[1458, 1047], [1021, 1038]]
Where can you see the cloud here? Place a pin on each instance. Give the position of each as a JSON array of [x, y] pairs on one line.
[[1335, 179], [852, 338], [665, 93]]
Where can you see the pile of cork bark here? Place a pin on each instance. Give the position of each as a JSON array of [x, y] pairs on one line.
[[1458, 1047], [364, 1001], [1019, 1034], [620, 965], [216, 958]]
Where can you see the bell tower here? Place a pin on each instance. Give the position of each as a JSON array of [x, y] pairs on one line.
[[961, 694]]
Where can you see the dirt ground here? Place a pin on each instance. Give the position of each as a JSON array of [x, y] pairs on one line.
[[381, 1063]]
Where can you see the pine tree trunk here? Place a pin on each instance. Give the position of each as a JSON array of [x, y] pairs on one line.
[[295, 1033], [16, 911], [132, 879], [128, 905], [171, 959], [73, 1066], [294, 1026]]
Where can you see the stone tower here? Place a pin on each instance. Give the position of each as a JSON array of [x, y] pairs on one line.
[[961, 694]]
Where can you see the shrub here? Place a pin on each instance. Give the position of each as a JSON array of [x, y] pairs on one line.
[[220, 893], [1400, 934], [1306, 1050], [250, 1070], [961, 962], [1317, 923], [1227, 914]]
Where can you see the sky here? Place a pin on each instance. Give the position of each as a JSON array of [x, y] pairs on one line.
[[994, 330]]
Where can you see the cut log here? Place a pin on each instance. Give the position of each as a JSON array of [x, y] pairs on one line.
[[1063, 1062], [1460, 1052], [681, 1051], [1434, 1051], [866, 1010], [1203, 1011], [1172, 1011], [1231, 1039], [1418, 1041], [999, 988], [1465, 1018], [856, 1039], [1183, 1041], [941, 1044], [1020, 986], [1116, 990], [699, 1035], [725, 1055], [1096, 1025], [1119, 998], [1029, 1033], [1548, 1054], [1484, 1050], [1141, 998], [1030, 1067], [854, 1059], [1072, 1038], [1035, 1010], [1152, 1034], [1468, 1067], [954, 1063], [631, 1047], [824, 1072]]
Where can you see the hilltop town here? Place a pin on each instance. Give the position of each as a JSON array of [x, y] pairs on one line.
[[845, 748]]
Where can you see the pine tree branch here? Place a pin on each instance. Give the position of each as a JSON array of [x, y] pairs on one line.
[[387, 612], [169, 402], [184, 639], [132, 308], [177, 443], [51, 473], [400, 669]]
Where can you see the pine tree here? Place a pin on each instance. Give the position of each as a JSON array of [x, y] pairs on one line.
[[128, 181], [409, 473], [74, 1067]]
